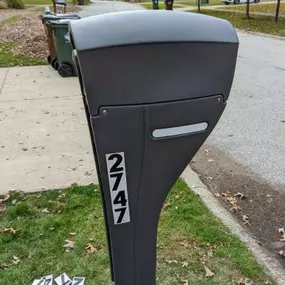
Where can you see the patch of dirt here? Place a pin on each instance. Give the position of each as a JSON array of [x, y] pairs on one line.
[[29, 36], [261, 206]]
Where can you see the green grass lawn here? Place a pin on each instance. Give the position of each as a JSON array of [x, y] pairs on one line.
[[7, 58], [194, 3], [264, 8], [261, 24], [42, 2], [189, 238], [161, 5]]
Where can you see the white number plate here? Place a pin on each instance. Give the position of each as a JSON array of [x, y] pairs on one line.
[[118, 187], [78, 281], [63, 279]]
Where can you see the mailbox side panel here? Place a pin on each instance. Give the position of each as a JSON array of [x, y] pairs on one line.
[[151, 165]]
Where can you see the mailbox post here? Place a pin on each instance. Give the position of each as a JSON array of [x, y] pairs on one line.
[[153, 92]]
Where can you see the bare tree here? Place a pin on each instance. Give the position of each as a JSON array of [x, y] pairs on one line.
[[277, 11]]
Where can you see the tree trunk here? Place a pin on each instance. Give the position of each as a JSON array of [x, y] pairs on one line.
[[247, 10], [277, 11], [199, 5]]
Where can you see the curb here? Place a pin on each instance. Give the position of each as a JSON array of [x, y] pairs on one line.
[[270, 264], [261, 34]]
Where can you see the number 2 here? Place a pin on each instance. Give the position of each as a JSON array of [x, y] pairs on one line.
[[115, 167]]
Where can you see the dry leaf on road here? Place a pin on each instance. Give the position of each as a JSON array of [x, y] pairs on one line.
[[16, 260], [245, 220], [184, 282], [69, 245], [208, 272], [281, 231], [240, 195], [282, 238]]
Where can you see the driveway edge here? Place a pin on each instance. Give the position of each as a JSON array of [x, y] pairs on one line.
[[270, 264], [261, 34]]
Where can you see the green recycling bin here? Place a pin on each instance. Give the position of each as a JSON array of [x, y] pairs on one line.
[[63, 49]]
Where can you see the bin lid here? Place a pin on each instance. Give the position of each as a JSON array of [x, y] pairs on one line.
[[133, 27], [63, 22], [59, 16]]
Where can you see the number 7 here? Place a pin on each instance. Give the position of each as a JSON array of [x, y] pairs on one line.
[[121, 215], [118, 177]]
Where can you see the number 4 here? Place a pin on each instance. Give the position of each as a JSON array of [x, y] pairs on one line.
[[120, 199]]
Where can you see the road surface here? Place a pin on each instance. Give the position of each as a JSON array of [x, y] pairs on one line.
[[246, 151]]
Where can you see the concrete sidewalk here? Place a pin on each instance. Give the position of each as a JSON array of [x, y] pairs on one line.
[[44, 139]]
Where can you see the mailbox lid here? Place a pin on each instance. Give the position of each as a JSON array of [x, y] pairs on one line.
[[153, 73], [137, 27]]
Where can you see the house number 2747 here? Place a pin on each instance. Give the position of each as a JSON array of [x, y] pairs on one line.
[[118, 187]]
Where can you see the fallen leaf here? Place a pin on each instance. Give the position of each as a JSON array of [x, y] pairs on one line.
[[69, 245], [234, 207], [217, 194], [2, 208], [184, 263], [282, 238], [16, 260], [246, 220], [184, 282], [5, 198], [210, 253], [281, 231], [185, 244], [208, 272], [90, 248], [165, 206], [45, 210], [240, 195], [4, 265], [171, 261], [9, 230], [211, 160]]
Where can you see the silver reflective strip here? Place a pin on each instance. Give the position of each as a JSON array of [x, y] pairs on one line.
[[181, 130]]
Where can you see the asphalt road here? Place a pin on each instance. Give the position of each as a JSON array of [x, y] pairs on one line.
[[252, 128], [246, 151]]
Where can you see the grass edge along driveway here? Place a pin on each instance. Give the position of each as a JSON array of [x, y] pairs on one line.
[[35, 227]]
